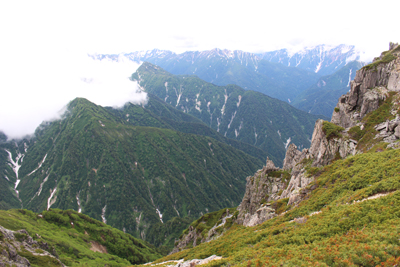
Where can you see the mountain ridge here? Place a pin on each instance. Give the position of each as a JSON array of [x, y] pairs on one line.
[[98, 163], [244, 115], [271, 73]]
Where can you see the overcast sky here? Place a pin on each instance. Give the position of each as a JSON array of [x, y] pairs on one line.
[[43, 43]]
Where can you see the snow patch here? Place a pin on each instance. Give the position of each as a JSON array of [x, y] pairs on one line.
[[255, 135], [50, 200], [179, 99], [240, 99], [198, 103], [103, 214], [166, 89], [176, 210], [321, 59], [41, 185], [40, 165], [287, 142], [348, 84], [233, 116], [159, 215], [238, 131], [6, 178], [79, 203], [223, 107], [179, 95], [209, 144], [15, 166]]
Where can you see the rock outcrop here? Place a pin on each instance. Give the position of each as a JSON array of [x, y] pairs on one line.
[[197, 235], [323, 151], [188, 263], [369, 87], [267, 184], [188, 239], [14, 245], [389, 132]]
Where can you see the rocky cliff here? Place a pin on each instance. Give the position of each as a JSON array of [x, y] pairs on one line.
[[365, 118], [373, 85], [370, 86]]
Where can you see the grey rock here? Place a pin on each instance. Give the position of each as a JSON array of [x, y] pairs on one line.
[[393, 125], [261, 215], [10, 246], [259, 188], [292, 157], [397, 132], [324, 151], [368, 88]]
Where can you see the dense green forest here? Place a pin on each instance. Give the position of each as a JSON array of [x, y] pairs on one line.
[[139, 179], [247, 116]]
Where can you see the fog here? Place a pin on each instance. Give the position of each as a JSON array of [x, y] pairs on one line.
[[37, 87]]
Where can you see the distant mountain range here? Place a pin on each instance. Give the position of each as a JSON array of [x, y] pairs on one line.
[[321, 59], [321, 98], [279, 74]]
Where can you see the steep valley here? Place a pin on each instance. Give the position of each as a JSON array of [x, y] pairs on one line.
[[246, 116]]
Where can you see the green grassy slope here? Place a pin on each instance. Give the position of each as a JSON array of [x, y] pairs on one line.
[[357, 222], [71, 234]]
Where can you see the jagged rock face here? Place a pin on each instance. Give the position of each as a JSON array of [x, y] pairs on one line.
[[189, 238], [260, 188], [324, 151], [368, 87], [10, 246], [292, 157], [195, 236]]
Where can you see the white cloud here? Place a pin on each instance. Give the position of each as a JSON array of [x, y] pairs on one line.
[[35, 87]]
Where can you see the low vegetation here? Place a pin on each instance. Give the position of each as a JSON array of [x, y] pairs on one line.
[[333, 227], [386, 57], [366, 137], [331, 130], [209, 220], [71, 234]]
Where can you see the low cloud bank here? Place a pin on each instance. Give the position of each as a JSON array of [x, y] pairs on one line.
[[36, 87]]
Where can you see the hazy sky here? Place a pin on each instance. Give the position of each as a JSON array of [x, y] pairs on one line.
[[43, 44]]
